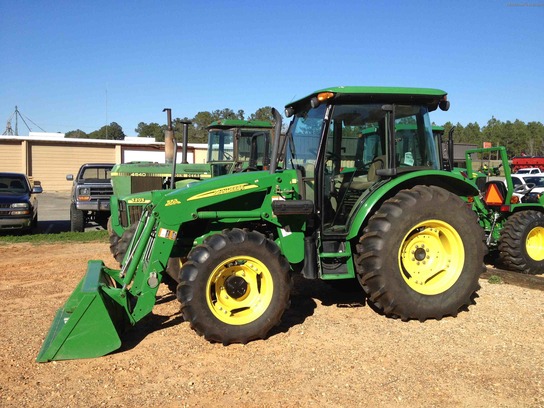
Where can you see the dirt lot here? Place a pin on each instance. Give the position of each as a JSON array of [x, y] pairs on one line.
[[332, 350]]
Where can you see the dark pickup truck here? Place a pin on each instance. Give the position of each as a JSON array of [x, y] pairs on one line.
[[90, 198]]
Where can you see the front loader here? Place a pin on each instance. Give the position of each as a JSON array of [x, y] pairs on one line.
[[360, 195]]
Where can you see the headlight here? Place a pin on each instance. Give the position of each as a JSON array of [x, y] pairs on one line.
[[20, 209], [84, 194], [20, 205]]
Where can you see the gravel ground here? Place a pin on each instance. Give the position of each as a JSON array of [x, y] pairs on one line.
[[331, 350]]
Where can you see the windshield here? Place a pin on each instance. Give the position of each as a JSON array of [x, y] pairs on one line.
[[220, 145], [254, 144], [359, 151], [96, 173], [538, 181], [13, 184], [305, 136]]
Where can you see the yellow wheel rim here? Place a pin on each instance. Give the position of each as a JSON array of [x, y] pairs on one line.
[[431, 257], [535, 243], [239, 290]]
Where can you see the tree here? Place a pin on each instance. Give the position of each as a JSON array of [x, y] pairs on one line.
[[78, 133], [264, 113], [112, 131], [151, 130]]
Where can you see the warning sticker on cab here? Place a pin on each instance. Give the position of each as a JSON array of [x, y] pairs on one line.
[[167, 234]]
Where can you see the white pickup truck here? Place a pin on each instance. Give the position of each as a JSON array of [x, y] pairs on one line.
[[530, 170]]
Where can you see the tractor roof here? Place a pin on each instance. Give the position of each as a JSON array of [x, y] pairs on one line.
[[236, 123], [378, 94]]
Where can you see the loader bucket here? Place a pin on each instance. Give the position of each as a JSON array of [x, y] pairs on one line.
[[89, 323]]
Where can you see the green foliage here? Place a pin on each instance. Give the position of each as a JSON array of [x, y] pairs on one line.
[[264, 114], [113, 131], [78, 133], [52, 238], [151, 130], [518, 137], [495, 280]]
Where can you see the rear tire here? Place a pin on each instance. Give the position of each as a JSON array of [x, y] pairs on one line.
[[521, 244], [77, 219], [234, 287], [421, 255]]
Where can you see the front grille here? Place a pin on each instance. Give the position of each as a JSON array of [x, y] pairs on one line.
[[139, 184], [105, 191], [135, 212]]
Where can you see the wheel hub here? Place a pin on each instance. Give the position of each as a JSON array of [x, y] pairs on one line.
[[236, 286], [431, 257], [420, 254]]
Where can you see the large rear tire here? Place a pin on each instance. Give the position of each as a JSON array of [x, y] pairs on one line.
[[521, 244], [421, 255], [234, 287], [77, 219]]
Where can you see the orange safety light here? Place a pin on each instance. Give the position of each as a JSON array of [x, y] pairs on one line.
[[493, 196], [323, 96]]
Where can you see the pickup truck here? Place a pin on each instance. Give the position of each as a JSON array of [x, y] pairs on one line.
[[90, 196], [531, 170]]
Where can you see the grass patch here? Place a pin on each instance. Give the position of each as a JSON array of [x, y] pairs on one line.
[[495, 279], [55, 238]]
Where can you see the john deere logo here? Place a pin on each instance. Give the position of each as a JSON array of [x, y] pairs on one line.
[[174, 201], [224, 190]]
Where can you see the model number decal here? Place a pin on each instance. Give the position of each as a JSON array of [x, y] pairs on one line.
[[138, 200]]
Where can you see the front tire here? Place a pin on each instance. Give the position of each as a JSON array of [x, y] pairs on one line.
[[421, 255], [124, 242], [77, 219], [234, 287], [521, 244]]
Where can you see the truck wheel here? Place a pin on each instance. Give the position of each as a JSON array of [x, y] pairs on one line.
[[521, 244], [77, 219], [421, 255], [234, 287], [124, 242]]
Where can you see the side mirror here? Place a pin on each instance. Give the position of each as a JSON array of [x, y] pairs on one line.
[[444, 105], [37, 190], [70, 177]]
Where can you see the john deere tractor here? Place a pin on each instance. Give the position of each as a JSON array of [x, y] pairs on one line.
[[512, 218], [355, 198]]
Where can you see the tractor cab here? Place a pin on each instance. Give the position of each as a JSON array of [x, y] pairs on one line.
[[347, 142], [238, 145]]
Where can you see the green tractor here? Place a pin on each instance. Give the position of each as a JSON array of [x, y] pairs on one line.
[[512, 218], [233, 146], [353, 199]]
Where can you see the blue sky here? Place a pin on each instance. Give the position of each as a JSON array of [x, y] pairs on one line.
[[82, 64]]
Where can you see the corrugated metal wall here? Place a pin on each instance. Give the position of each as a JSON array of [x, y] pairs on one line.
[[50, 164], [11, 157], [50, 161]]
